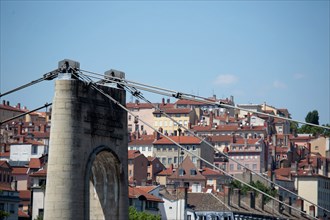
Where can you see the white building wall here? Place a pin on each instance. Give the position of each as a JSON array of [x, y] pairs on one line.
[[38, 201], [23, 152], [308, 189], [172, 209]]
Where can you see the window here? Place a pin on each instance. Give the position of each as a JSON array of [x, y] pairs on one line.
[[142, 127], [193, 147], [193, 172], [12, 208], [254, 166], [129, 117], [188, 147], [193, 159], [181, 172], [239, 167], [41, 212], [143, 148], [169, 160], [175, 160], [130, 173], [149, 148], [34, 149], [164, 160], [231, 167], [165, 123]]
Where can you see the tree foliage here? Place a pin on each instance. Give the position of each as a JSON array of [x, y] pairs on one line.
[[313, 117], [3, 214], [135, 215]]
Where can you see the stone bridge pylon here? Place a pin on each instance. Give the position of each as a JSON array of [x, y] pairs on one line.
[[87, 164]]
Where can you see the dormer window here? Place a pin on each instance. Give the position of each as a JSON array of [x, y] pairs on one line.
[[181, 172], [193, 172]]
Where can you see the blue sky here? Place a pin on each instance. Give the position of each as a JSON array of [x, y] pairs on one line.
[[258, 51]]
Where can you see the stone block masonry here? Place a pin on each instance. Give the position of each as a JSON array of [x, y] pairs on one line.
[[86, 173]]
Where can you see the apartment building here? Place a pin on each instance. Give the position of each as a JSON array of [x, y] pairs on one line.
[[169, 153]]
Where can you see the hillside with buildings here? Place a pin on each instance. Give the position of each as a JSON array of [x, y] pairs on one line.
[[220, 145]]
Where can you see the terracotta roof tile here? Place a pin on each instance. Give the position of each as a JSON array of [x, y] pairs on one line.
[[39, 173], [187, 165], [179, 139], [285, 171], [19, 170], [175, 111], [139, 105], [166, 172], [25, 194], [210, 172], [134, 192], [22, 214], [35, 163], [141, 142], [133, 153]]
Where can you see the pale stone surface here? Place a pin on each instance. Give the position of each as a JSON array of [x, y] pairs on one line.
[[86, 175]]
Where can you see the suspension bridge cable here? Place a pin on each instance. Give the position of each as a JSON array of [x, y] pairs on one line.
[[140, 96], [21, 115], [136, 93], [48, 76], [93, 85], [187, 96]]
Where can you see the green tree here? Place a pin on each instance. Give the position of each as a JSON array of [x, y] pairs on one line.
[[135, 215], [293, 127], [3, 214], [313, 117], [259, 185]]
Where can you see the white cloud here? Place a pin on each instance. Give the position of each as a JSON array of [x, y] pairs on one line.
[[298, 76], [225, 79], [279, 85]]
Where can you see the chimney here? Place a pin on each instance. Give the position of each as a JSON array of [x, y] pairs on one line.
[[227, 194], [18, 105], [237, 197], [325, 167], [233, 138], [4, 102], [252, 199], [262, 202], [168, 101], [21, 139], [163, 101], [211, 118], [300, 205], [43, 128], [20, 129], [8, 103]]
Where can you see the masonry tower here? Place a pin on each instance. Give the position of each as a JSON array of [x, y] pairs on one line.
[[87, 165]]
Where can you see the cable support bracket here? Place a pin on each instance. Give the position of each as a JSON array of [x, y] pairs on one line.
[[177, 95]]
